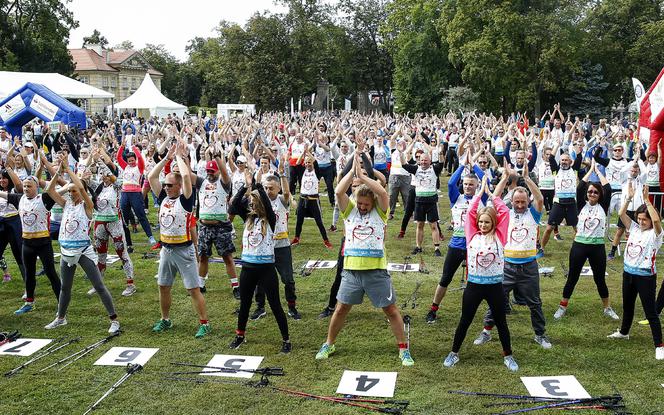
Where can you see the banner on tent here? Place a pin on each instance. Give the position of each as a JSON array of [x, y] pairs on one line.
[[11, 108], [44, 107]]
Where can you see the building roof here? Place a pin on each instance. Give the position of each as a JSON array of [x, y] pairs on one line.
[[110, 60]]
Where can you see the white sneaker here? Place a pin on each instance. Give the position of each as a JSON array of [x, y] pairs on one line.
[[115, 327], [25, 296], [511, 363], [129, 290], [608, 311], [543, 341], [560, 312], [56, 323], [484, 337], [92, 291], [618, 335], [451, 359], [659, 353]]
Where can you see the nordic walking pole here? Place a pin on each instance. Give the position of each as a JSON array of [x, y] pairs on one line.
[[131, 370], [46, 352], [81, 353]]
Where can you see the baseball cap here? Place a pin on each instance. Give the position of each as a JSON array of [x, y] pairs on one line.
[[28, 144], [242, 159], [212, 165]]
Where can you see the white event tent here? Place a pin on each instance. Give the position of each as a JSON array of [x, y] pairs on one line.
[[60, 84], [148, 97]]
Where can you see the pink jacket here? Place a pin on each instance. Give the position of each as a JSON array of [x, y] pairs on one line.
[[503, 216]]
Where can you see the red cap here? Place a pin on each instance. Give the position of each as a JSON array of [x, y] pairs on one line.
[[281, 126], [212, 165]]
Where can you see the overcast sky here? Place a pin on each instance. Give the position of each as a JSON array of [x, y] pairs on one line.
[[159, 22]]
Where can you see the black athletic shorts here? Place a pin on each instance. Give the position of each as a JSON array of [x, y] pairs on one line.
[[630, 213], [559, 212], [426, 212]]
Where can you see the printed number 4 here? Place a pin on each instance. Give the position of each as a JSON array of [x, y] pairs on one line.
[[17, 348], [128, 356], [364, 383]]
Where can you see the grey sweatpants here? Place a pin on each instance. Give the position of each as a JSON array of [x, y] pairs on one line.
[[398, 184], [93, 274]]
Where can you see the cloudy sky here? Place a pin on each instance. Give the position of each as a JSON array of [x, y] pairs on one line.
[[159, 22]]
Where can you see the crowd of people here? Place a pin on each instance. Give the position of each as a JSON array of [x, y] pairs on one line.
[[209, 176]]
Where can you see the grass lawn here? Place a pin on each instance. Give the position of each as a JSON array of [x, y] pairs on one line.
[[366, 343]]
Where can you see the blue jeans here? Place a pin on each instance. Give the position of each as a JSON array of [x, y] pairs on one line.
[[134, 201]]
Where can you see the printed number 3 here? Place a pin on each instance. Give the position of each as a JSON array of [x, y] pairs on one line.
[[552, 388]]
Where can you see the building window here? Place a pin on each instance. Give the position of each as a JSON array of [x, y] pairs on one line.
[[104, 82], [133, 83], [84, 105], [84, 79], [113, 82], [123, 81]]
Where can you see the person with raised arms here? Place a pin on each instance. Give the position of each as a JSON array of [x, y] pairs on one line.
[[365, 262]]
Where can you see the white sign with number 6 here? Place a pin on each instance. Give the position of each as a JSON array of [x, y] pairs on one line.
[[379, 384], [566, 387], [122, 356], [23, 347]]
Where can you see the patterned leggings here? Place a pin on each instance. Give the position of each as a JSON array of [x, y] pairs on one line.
[[113, 230]]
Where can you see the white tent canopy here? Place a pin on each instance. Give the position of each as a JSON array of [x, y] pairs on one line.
[[60, 84], [147, 96]]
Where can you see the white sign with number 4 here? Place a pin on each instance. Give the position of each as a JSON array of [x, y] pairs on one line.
[[378, 384], [566, 387], [122, 356], [23, 347]]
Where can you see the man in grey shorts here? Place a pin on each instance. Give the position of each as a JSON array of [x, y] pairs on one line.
[[177, 255], [365, 264]]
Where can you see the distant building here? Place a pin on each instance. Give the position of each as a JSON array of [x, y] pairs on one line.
[[119, 71]]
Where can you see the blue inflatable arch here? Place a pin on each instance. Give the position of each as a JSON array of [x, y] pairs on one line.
[[35, 100]]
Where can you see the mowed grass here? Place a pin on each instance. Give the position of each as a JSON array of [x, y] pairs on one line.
[[366, 343]]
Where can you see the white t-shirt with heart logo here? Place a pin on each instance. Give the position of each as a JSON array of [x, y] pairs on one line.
[[213, 201], [591, 226], [256, 247], [565, 184], [641, 250], [425, 182], [652, 174], [485, 260], [365, 234], [75, 228], [310, 183], [34, 217], [174, 222], [107, 205], [521, 246]]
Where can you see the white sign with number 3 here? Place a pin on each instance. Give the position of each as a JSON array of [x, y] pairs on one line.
[[23, 347], [566, 387], [379, 384], [122, 356]]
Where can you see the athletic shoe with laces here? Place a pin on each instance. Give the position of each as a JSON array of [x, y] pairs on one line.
[[511, 364], [129, 290], [401, 234], [25, 296], [327, 244], [484, 337], [258, 313], [659, 353], [115, 327], [543, 341], [286, 347], [644, 322], [560, 312], [130, 249], [431, 317], [558, 237], [327, 312], [416, 251], [451, 359], [294, 314], [608, 311], [333, 228], [162, 325], [92, 291], [203, 330], [295, 241], [202, 289], [611, 255], [618, 335], [406, 359], [236, 293], [25, 308], [436, 252], [325, 351], [237, 342], [56, 323]]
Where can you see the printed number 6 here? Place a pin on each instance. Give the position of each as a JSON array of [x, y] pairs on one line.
[[128, 356]]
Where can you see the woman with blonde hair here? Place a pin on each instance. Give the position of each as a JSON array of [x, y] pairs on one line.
[[486, 233], [257, 256]]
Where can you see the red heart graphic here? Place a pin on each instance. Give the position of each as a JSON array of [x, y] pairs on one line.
[[103, 203], [565, 183], [210, 200], [71, 225], [255, 238], [166, 220], [485, 260], [308, 184], [362, 232], [633, 250], [29, 218], [591, 223], [519, 235]]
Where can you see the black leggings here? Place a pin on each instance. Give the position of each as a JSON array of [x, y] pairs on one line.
[[548, 198], [10, 233], [453, 260], [644, 287], [332, 303], [309, 208], [45, 253], [472, 298], [660, 300], [596, 256], [265, 275], [410, 209]]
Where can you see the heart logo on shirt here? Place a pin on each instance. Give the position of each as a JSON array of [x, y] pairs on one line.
[[71, 225], [308, 185], [255, 238], [652, 174], [425, 182], [519, 235], [591, 223], [362, 232], [565, 183], [210, 200], [166, 220], [633, 250], [29, 218], [485, 260], [102, 203]]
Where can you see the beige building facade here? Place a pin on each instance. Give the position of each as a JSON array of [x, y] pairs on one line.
[[119, 72]]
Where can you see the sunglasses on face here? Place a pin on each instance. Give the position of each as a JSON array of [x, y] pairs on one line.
[[483, 162], [617, 149], [593, 192], [169, 185]]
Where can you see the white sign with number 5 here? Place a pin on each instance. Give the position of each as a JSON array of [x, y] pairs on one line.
[[23, 347], [122, 356], [238, 366], [566, 387], [379, 384]]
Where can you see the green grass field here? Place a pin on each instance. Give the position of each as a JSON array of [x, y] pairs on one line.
[[366, 343]]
